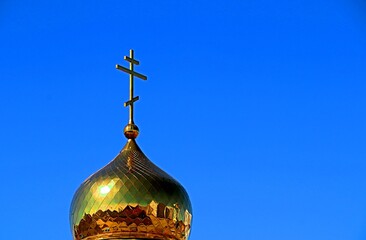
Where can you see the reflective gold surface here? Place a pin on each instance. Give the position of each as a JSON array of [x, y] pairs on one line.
[[131, 198]]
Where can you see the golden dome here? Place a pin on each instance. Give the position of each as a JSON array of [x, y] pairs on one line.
[[130, 198]]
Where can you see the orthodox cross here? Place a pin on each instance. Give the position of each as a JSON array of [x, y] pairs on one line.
[[132, 73]]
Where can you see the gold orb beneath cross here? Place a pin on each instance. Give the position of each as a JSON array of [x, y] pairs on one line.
[[131, 131]]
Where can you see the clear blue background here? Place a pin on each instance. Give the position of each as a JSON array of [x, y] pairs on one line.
[[256, 107]]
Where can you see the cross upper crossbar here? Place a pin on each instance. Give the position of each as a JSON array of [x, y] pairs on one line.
[[131, 60]]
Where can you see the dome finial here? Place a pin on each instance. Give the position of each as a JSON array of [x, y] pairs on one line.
[[131, 131]]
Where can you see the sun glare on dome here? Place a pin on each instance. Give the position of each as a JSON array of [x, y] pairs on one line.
[[104, 190]]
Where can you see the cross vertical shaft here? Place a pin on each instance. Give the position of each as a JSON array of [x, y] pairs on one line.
[[131, 87]]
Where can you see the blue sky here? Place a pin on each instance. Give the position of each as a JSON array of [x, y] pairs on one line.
[[256, 107]]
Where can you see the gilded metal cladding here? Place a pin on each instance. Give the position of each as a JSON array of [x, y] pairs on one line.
[[130, 198]]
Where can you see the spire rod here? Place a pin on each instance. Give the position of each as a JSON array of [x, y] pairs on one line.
[[131, 130]]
